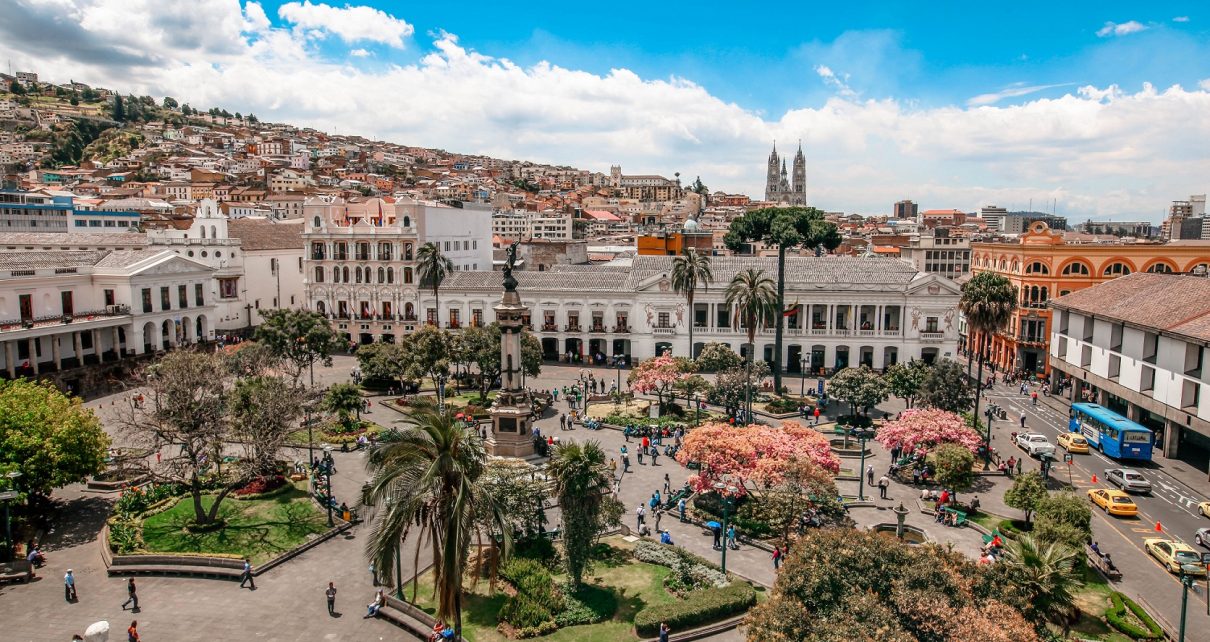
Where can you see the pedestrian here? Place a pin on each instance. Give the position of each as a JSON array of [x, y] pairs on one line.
[[681, 507], [132, 633], [247, 576], [655, 454], [664, 630], [641, 450], [816, 415], [717, 531], [132, 596], [562, 422], [658, 515], [731, 538], [613, 467], [667, 484], [1019, 465], [331, 594], [69, 587], [1022, 419], [625, 463], [869, 474], [1034, 396], [640, 515], [373, 574], [883, 483], [776, 557]]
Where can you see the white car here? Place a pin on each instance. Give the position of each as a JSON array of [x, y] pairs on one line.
[[1035, 444]]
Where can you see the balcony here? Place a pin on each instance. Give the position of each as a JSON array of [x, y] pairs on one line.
[[108, 312], [572, 327], [932, 337], [317, 256], [453, 325], [621, 329], [596, 328], [550, 327], [663, 331]]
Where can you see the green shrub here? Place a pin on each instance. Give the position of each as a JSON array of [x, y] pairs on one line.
[[536, 600], [136, 500], [1119, 620], [589, 605], [782, 405], [701, 607], [522, 611], [745, 517], [859, 421], [539, 549], [125, 536], [652, 553]]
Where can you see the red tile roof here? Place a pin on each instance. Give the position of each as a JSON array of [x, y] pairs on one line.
[[1171, 303]]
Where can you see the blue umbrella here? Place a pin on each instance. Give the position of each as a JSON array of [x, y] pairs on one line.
[[713, 524]]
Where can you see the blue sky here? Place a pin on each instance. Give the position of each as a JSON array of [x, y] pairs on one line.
[[1102, 107]]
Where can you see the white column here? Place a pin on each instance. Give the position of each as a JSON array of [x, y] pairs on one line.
[[33, 353], [10, 359], [117, 343], [78, 346], [54, 351]]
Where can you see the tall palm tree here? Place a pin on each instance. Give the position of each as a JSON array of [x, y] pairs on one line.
[[752, 298], [987, 302], [689, 270], [432, 267], [427, 476], [1046, 573], [582, 481]]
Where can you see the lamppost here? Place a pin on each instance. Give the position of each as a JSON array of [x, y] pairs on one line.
[[1186, 583], [327, 469], [441, 393], [862, 435], [6, 497], [802, 381], [617, 362], [727, 494]]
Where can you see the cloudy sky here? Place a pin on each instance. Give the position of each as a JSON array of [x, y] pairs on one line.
[[1103, 108]]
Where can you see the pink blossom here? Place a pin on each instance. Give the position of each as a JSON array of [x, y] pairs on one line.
[[656, 375], [754, 453], [925, 429]]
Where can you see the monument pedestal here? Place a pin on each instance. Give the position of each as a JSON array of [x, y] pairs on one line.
[[511, 435], [511, 414]]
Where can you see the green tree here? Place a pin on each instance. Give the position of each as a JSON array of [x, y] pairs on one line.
[[946, 387], [690, 271], [50, 438], [693, 387], [905, 379], [1063, 518], [426, 479], [382, 361], [345, 400], [432, 267], [481, 346], [860, 387], [953, 464], [300, 338], [15, 88], [170, 102], [518, 492], [731, 387], [1026, 492], [582, 481], [74, 100], [118, 111], [787, 228], [1047, 576], [264, 411], [754, 304], [717, 357], [428, 351], [987, 302]]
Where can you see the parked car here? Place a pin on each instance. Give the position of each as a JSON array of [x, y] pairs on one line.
[[1073, 442], [1035, 444], [1204, 509], [1114, 502], [1128, 479], [1202, 537], [1174, 555]]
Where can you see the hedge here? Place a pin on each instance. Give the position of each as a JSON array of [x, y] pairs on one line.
[[1118, 619], [701, 607]]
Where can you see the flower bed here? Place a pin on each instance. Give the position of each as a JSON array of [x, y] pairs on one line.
[[1130, 618], [702, 607], [260, 487]]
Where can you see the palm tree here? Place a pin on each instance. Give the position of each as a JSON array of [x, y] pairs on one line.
[[987, 302], [344, 399], [752, 298], [432, 267], [689, 270], [1047, 575], [582, 481], [427, 475]]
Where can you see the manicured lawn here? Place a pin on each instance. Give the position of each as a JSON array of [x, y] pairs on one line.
[[635, 408], [632, 586], [260, 529]]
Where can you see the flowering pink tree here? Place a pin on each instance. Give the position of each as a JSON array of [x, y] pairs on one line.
[[657, 376], [752, 457], [925, 429]]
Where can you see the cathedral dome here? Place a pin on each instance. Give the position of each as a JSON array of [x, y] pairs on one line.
[[691, 225]]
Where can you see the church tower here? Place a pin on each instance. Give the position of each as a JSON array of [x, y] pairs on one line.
[[799, 193], [772, 178]]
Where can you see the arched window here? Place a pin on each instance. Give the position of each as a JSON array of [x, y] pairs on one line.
[[213, 233], [1045, 295], [320, 307], [407, 275], [409, 311], [319, 274], [315, 222], [1037, 267], [358, 271], [407, 221], [390, 275], [336, 275], [407, 247], [1160, 268], [1117, 268], [382, 275], [1003, 264], [1015, 267], [203, 231], [344, 274], [1076, 269]]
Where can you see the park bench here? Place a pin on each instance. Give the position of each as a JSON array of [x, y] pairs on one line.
[[220, 567], [406, 617], [19, 570], [1098, 561], [552, 534], [960, 516]]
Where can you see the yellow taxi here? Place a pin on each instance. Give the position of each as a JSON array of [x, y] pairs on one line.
[[1173, 555], [1073, 442], [1113, 501], [1204, 508]]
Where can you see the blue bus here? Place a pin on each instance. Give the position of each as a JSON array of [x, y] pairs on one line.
[[1110, 432]]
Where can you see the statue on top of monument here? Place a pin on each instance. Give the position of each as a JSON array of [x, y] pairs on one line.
[[510, 283]]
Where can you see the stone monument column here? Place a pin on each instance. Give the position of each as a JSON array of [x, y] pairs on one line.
[[512, 412]]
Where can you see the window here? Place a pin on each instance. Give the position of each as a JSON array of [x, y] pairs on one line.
[[317, 251], [1193, 360], [165, 299], [1037, 267], [228, 288], [65, 299], [199, 297], [447, 246], [182, 295], [109, 298], [407, 250], [1076, 269], [476, 318], [382, 275], [930, 324], [1147, 379], [1160, 268], [316, 222], [1151, 342], [430, 316], [454, 314], [319, 275], [1116, 268], [663, 321], [146, 300], [407, 275], [474, 245]]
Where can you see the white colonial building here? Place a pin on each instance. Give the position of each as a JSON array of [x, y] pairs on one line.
[[848, 311]]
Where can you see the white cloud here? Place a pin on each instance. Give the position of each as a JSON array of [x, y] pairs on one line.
[[1099, 150], [359, 53], [1014, 91], [1204, 84], [1181, 19], [1120, 29], [254, 18], [349, 23], [839, 83]]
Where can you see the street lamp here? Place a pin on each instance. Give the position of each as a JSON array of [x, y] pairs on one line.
[[727, 495], [327, 469], [1186, 583], [617, 362], [6, 497], [862, 435], [802, 371]]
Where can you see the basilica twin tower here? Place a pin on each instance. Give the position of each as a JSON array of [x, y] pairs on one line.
[[779, 188]]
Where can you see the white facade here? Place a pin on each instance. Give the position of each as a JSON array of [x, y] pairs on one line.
[[208, 242], [463, 234], [944, 255], [524, 226]]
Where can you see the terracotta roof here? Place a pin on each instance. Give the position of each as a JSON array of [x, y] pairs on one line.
[[35, 260], [260, 234], [1167, 302]]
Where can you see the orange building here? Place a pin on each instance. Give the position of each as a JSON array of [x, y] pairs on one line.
[[671, 243], [1041, 265]]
